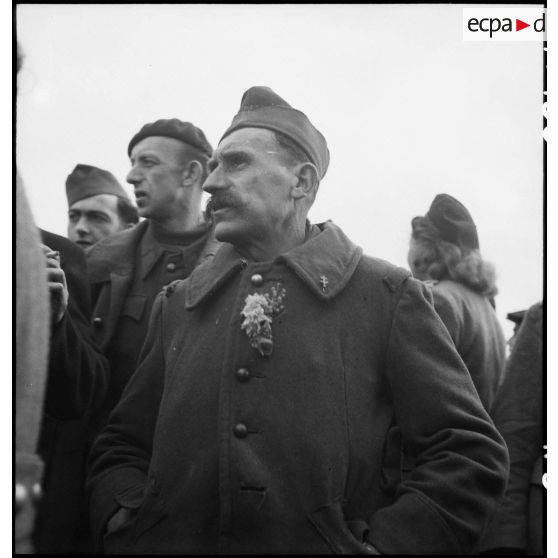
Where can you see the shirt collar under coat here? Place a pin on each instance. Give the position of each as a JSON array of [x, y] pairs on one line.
[[328, 254], [151, 248]]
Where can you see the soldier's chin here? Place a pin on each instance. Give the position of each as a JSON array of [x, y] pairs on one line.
[[225, 231], [143, 211]]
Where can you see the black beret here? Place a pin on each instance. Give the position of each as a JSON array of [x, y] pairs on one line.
[[453, 222], [86, 181], [261, 107], [174, 128]]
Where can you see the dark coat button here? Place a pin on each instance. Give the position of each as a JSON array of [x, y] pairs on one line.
[[256, 279], [240, 430], [171, 266], [243, 374], [97, 321]]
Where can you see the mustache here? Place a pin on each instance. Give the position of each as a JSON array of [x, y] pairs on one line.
[[218, 201]]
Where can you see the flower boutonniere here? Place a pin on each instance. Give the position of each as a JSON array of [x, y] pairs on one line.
[[258, 311]]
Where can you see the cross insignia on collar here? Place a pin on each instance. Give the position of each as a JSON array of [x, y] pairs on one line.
[[324, 282]]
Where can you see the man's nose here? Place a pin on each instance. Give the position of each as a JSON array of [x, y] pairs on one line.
[[82, 226], [134, 176], [214, 182]]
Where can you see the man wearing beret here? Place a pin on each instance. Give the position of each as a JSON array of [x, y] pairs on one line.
[[98, 206], [127, 270], [279, 383]]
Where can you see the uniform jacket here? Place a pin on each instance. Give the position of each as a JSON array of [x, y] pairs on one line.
[[221, 449], [477, 334], [518, 414], [78, 376], [111, 267]]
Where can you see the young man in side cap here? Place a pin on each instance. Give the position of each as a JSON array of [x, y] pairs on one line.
[[98, 206], [279, 381], [128, 269]]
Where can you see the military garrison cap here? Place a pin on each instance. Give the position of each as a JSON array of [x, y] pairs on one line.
[[261, 107], [516, 317], [174, 128], [453, 222], [86, 181]]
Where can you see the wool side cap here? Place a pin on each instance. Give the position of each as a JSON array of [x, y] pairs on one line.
[[261, 107], [86, 181], [177, 129], [454, 222]]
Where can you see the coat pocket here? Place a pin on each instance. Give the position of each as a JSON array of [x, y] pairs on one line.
[[119, 540], [151, 512], [392, 461], [134, 306], [330, 524]]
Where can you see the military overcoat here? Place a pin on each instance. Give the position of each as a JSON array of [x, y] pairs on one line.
[[219, 448], [473, 325], [112, 265]]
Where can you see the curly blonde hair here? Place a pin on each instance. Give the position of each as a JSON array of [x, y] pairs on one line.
[[439, 259]]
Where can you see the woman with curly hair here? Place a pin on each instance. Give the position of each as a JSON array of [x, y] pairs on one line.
[[444, 252]]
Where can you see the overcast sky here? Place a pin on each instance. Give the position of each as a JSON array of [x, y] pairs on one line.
[[408, 108]]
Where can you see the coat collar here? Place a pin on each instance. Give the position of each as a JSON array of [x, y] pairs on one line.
[[115, 254], [325, 263], [151, 249]]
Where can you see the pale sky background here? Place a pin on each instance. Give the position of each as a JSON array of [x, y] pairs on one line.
[[408, 108]]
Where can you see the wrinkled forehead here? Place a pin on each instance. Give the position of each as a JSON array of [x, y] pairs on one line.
[[99, 202], [257, 139]]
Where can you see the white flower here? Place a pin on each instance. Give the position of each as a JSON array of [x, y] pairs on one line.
[[257, 313]]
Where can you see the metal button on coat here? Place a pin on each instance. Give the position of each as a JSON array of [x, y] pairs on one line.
[[240, 430], [20, 496], [256, 279], [171, 266], [37, 492], [97, 321], [243, 374]]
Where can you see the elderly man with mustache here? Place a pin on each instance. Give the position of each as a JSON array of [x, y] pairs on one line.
[[280, 382]]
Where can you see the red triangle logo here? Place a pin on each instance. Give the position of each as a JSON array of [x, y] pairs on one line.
[[519, 25]]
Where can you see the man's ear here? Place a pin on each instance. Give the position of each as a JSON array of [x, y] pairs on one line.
[[307, 184], [192, 173]]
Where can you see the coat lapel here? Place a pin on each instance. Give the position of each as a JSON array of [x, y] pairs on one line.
[[111, 262], [120, 282], [212, 274], [325, 262]]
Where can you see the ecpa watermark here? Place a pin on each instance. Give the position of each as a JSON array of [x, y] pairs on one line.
[[504, 24]]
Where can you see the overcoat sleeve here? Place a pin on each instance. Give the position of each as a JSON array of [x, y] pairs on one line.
[[78, 372], [450, 316], [119, 459], [518, 415], [461, 462]]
